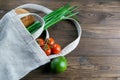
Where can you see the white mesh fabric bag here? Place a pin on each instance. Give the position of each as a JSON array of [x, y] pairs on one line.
[[19, 52]]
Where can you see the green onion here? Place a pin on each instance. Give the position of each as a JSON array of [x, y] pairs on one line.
[[54, 17], [34, 27]]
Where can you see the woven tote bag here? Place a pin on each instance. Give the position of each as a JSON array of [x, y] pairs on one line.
[[19, 51]]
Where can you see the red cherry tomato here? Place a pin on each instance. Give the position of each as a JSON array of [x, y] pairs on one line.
[[50, 41], [47, 49], [40, 41], [56, 48]]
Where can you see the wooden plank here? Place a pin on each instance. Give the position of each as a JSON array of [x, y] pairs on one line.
[[94, 63], [114, 34], [99, 17], [104, 6], [100, 26], [48, 78], [95, 66], [95, 79], [89, 47], [71, 79]]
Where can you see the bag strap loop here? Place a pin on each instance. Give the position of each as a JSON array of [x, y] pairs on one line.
[[38, 8], [70, 47]]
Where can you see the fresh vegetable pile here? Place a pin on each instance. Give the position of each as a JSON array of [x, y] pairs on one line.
[[58, 64], [49, 45]]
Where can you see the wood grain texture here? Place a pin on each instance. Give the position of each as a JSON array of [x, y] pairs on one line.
[[97, 57]]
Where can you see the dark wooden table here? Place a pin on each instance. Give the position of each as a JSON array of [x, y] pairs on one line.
[[97, 57]]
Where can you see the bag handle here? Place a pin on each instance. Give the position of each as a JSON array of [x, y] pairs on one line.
[[40, 30], [70, 47], [38, 8]]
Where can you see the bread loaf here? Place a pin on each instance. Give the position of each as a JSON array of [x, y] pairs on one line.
[[27, 20]]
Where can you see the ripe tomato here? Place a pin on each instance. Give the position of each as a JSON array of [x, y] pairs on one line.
[[56, 48], [59, 64], [47, 49], [50, 41], [40, 41]]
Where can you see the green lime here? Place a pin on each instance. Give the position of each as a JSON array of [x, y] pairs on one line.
[[59, 64]]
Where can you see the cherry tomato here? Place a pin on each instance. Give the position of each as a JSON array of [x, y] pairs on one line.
[[47, 49], [56, 48], [50, 41], [40, 41]]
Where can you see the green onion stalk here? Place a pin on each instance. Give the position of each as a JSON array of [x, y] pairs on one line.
[[54, 17]]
